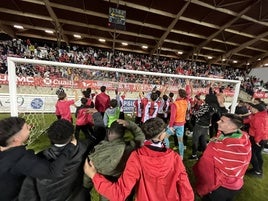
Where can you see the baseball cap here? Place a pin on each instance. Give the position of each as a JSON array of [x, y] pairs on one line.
[[260, 106]]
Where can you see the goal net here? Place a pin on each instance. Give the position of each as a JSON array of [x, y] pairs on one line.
[[29, 88]]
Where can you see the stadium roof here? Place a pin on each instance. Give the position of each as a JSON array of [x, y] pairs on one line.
[[225, 32]]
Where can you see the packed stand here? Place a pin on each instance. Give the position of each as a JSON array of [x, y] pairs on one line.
[[124, 60]]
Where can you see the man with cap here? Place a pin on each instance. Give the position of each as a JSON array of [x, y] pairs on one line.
[[241, 109], [258, 131]]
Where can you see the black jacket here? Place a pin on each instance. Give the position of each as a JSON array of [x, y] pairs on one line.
[[65, 187], [203, 115], [17, 162]]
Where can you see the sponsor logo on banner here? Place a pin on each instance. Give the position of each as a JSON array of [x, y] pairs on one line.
[[129, 105], [95, 85], [5, 102], [261, 94], [28, 103], [37, 103]]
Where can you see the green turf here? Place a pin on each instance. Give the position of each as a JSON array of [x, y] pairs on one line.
[[254, 189]]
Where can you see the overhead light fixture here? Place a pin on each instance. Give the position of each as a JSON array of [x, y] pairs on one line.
[[234, 61], [223, 59], [248, 63], [145, 47], [180, 52], [210, 57], [18, 26], [102, 40], [259, 59], [77, 36], [49, 31], [125, 44], [266, 64]]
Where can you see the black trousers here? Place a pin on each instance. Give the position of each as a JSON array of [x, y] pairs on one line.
[[200, 135], [256, 158], [121, 115], [221, 194], [138, 121], [86, 129]]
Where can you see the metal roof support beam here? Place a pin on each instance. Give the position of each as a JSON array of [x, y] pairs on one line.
[[58, 27], [170, 27], [254, 59], [155, 11], [222, 28], [235, 50], [260, 13], [262, 63], [25, 14], [231, 4], [226, 11], [7, 30]]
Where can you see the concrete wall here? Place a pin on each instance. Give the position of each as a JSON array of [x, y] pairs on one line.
[[260, 73]]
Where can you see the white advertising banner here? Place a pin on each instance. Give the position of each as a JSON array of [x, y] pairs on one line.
[[30, 103], [43, 103]]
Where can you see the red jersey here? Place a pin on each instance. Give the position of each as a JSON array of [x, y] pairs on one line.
[[150, 109], [102, 102], [82, 117], [138, 107], [63, 109]]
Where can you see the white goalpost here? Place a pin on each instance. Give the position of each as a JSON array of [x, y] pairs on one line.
[[13, 79]]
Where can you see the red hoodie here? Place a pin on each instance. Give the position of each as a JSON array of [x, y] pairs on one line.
[[159, 176], [258, 126]]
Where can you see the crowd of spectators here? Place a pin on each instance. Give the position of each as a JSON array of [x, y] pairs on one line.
[[117, 59]]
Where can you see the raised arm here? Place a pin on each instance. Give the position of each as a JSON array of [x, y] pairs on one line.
[[34, 166], [135, 131], [117, 190]]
